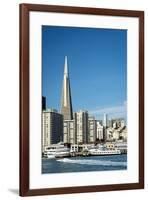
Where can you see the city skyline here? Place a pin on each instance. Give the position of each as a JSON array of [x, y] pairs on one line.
[[96, 89]]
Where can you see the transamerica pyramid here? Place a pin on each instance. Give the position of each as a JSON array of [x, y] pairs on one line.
[[66, 103]]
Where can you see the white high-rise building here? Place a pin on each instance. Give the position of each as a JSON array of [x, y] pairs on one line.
[[92, 129], [99, 131], [69, 131], [52, 127], [82, 126], [115, 125]]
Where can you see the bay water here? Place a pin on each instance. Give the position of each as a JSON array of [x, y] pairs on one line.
[[84, 164]]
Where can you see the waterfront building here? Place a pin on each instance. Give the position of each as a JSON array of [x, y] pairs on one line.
[[82, 127], [43, 103], [69, 131], [118, 122], [66, 102], [123, 134], [74, 148], [109, 134], [92, 129], [122, 146], [112, 134], [52, 127], [99, 135], [109, 145], [116, 135]]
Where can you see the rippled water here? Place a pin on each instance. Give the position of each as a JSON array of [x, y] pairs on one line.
[[83, 164]]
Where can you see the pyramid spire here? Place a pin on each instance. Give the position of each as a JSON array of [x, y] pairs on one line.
[[66, 67], [66, 102]]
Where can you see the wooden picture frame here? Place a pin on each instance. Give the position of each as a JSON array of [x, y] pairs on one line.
[[25, 9]]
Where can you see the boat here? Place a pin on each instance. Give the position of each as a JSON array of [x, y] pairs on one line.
[[103, 151], [56, 151], [48, 155]]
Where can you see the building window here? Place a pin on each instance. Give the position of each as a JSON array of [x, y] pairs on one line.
[[65, 129], [91, 126], [71, 125]]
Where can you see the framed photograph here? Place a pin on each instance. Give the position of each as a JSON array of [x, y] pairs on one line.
[[81, 99]]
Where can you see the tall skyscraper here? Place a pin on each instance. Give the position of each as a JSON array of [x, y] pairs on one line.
[[66, 102]]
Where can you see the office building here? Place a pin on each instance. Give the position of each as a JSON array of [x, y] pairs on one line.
[[99, 135], [52, 127], [82, 127], [69, 132], [92, 130]]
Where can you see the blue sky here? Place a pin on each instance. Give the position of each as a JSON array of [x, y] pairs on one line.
[[97, 60]]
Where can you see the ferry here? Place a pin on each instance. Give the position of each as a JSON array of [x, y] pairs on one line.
[[103, 152], [56, 151]]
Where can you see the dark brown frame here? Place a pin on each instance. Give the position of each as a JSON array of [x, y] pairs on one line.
[[24, 99]]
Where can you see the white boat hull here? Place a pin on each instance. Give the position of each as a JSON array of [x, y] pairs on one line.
[[50, 156], [104, 153]]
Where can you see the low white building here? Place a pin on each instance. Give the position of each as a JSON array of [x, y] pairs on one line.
[[116, 135], [74, 148]]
